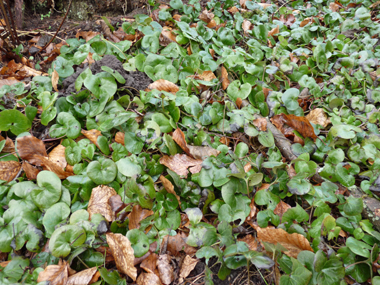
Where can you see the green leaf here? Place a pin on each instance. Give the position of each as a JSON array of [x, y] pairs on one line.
[[16, 268], [14, 121], [55, 215], [139, 242], [353, 206], [103, 172], [266, 138], [133, 143], [343, 176], [65, 238], [299, 276], [48, 191], [358, 247], [66, 125], [237, 90], [128, 168]]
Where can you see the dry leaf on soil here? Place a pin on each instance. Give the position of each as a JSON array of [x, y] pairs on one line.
[[179, 163], [206, 16], [187, 266], [57, 155], [247, 25], [250, 241], [261, 124], [92, 135], [137, 215], [55, 274], [281, 208], [165, 269], [148, 279], [30, 148], [30, 171], [179, 137], [274, 31], [149, 264], [99, 202], [9, 145], [116, 204], [54, 80], [9, 170], [233, 10], [87, 35], [123, 254], [287, 123], [176, 244], [334, 7], [119, 138], [224, 79], [202, 152], [169, 187], [84, 277], [318, 117], [166, 36], [294, 243], [164, 85]]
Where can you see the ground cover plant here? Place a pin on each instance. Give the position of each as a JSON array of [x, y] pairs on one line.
[[240, 135]]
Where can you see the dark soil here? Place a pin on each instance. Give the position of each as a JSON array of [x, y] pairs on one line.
[[134, 80]]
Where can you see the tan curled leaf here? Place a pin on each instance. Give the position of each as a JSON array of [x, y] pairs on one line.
[[83, 277], [274, 31], [294, 243], [29, 148], [8, 81], [180, 163], [202, 152], [224, 79], [179, 138], [250, 241], [30, 171], [166, 36], [264, 5], [306, 21], [281, 208], [137, 215], [247, 25], [164, 85], [242, 3], [9, 145], [148, 279], [334, 7], [9, 170], [53, 167], [99, 202], [169, 187], [176, 244], [54, 80], [119, 138], [206, 16], [318, 117], [165, 269], [55, 274], [233, 10], [187, 266], [261, 124], [57, 155], [149, 264], [92, 135], [123, 254]]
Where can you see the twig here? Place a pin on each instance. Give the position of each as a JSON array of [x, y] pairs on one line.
[[56, 33], [8, 25], [12, 21]]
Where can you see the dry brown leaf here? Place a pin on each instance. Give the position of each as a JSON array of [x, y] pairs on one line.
[[55, 274], [123, 254], [233, 10], [177, 17], [274, 31], [224, 79], [179, 163], [53, 167], [9, 145], [87, 35], [30, 171], [137, 215], [8, 81], [83, 277], [149, 264], [247, 25], [116, 203], [334, 7], [176, 244], [202, 152], [281, 208], [30, 148], [206, 75], [212, 24], [54, 80], [288, 20], [99, 202], [187, 266], [148, 279], [164, 85], [119, 138], [9, 170], [242, 3], [179, 137], [206, 16], [238, 102], [169, 187], [92, 135], [294, 243], [165, 269], [261, 124], [4, 263], [318, 117], [264, 5], [167, 37], [287, 123], [57, 155], [250, 241], [306, 21]]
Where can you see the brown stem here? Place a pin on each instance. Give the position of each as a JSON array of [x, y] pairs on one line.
[[18, 3], [7, 21], [56, 33]]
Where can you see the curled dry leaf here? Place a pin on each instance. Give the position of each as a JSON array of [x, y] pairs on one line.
[[164, 85], [8, 81], [87, 35], [206, 16], [334, 6], [149, 264], [281, 208], [242, 3], [264, 5], [119, 138], [224, 79], [187, 266], [294, 243], [202, 152], [165, 269], [99, 202], [116, 204], [176, 244], [53, 167], [318, 117], [9, 145], [287, 123], [30, 171], [57, 155], [289, 20], [166, 36], [250, 241], [261, 124], [306, 21], [123, 254], [212, 25], [84, 277], [137, 215], [247, 25], [169, 187], [179, 163], [179, 137], [148, 279], [274, 31], [30, 148], [92, 135], [54, 80], [55, 274], [9, 170], [233, 10]]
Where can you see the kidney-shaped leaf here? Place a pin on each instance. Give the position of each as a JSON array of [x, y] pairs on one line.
[[64, 238], [14, 121], [48, 191]]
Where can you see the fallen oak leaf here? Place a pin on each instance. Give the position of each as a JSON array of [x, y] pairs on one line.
[[318, 117], [84, 277], [30, 171], [9, 170], [179, 163], [149, 264], [148, 279], [165, 269], [137, 215], [287, 123], [55, 274], [179, 137], [99, 202], [164, 85], [187, 266], [123, 254]]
